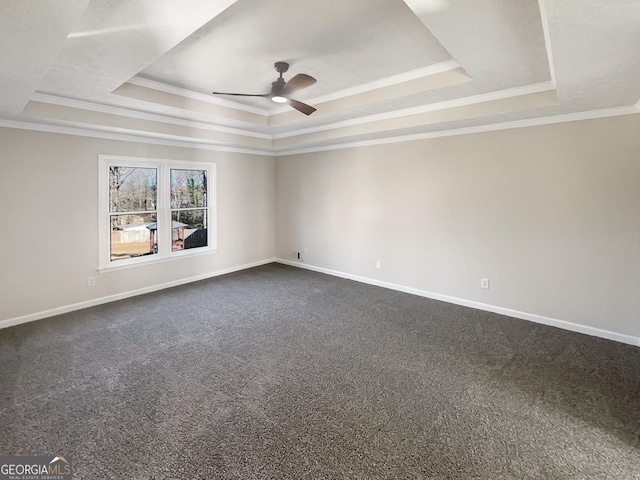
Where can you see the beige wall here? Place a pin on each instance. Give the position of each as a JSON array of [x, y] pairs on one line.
[[550, 214], [49, 225]]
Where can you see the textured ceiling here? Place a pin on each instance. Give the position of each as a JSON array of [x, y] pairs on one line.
[[386, 69], [350, 43]]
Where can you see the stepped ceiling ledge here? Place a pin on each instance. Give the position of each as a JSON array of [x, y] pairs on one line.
[[386, 70]]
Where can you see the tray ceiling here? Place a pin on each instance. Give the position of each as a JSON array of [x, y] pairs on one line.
[[350, 43], [386, 69]]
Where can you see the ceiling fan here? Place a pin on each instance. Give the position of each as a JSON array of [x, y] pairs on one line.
[[280, 90]]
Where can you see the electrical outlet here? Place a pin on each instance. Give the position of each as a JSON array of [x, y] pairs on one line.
[[91, 281], [378, 264], [306, 250], [484, 283]]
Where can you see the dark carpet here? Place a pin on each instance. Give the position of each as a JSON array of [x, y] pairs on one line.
[[282, 373]]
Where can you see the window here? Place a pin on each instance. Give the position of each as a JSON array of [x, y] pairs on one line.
[[153, 210]]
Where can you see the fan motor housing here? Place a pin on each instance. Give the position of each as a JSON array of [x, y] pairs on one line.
[[277, 85]]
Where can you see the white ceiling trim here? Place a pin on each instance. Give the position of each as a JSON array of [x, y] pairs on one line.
[[183, 92], [387, 82], [168, 140], [125, 112], [458, 102], [530, 122], [547, 41], [432, 107], [138, 137], [365, 87]]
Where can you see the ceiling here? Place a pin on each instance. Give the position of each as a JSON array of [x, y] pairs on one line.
[[387, 70]]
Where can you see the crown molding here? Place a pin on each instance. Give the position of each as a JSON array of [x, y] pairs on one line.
[[431, 107], [547, 40], [183, 92], [185, 142], [154, 117], [447, 104], [491, 127], [365, 87], [127, 136], [389, 81]]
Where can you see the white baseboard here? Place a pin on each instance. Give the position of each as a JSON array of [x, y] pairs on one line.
[[532, 317], [120, 296], [575, 327]]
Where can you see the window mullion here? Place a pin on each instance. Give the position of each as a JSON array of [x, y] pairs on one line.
[[164, 246]]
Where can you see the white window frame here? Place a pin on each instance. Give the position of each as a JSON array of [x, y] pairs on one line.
[[163, 208]]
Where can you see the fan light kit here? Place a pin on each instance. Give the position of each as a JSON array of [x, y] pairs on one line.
[[281, 90]]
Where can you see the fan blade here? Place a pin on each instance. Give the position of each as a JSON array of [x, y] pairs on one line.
[[301, 107], [297, 82], [243, 94]]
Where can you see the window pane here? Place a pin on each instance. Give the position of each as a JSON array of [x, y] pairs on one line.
[[132, 189], [188, 229], [133, 235], [188, 188]]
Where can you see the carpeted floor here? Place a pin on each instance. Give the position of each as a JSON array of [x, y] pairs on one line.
[[282, 373]]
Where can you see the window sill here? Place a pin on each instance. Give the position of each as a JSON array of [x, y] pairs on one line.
[[179, 256]]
